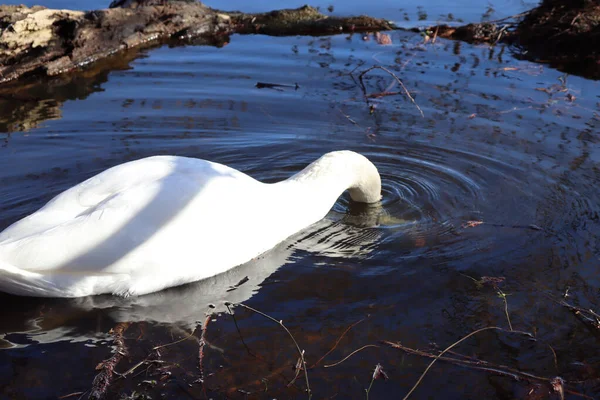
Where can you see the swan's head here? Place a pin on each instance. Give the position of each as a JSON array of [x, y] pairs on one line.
[[366, 182], [343, 170], [338, 171]]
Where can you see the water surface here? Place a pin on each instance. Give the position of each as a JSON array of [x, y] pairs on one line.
[[504, 142]]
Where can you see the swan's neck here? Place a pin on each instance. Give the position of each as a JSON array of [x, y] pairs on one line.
[[332, 174]]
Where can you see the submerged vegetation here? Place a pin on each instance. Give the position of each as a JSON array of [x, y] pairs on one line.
[[158, 370]]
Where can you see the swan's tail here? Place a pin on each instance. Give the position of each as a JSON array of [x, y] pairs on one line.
[[60, 283], [17, 281]]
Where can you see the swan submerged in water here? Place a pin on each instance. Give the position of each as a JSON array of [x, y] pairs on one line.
[[164, 221]]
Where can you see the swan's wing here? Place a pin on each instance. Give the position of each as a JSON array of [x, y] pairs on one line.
[[105, 236], [95, 191]]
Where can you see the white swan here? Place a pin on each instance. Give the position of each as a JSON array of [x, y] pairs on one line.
[[164, 221]]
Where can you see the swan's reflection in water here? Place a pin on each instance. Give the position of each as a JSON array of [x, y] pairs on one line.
[[354, 235]]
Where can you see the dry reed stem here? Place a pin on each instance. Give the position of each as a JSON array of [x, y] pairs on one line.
[[350, 355], [503, 295], [337, 342], [348, 118], [175, 342]]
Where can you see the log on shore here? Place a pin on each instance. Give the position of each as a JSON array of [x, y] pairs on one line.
[[45, 42], [563, 33], [38, 41]]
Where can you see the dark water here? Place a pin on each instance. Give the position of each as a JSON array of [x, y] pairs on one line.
[[502, 141]]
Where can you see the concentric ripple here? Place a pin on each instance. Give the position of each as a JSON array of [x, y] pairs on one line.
[[432, 198]]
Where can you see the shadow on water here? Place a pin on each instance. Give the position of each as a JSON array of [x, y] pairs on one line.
[[28, 103]]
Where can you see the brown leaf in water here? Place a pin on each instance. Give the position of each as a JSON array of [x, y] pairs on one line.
[[383, 38], [471, 224]]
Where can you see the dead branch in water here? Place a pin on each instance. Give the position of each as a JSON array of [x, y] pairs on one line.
[[368, 96], [557, 384], [471, 362], [447, 349], [107, 368], [589, 317]]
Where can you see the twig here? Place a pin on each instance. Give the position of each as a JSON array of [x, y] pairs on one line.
[[249, 351], [444, 352], [437, 28], [337, 342], [486, 366], [503, 295], [297, 367], [360, 64], [104, 377], [280, 323], [510, 17], [588, 317], [382, 94], [66, 396], [177, 341], [555, 358], [364, 89], [350, 355], [473, 363], [368, 390], [348, 117], [240, 333], [262, 85], [136, 366]]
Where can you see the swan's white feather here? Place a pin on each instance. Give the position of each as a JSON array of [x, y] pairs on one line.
[[159, 222]]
